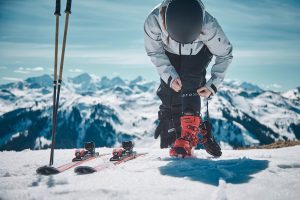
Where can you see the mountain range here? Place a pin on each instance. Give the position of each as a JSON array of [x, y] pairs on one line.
[[110, 110]]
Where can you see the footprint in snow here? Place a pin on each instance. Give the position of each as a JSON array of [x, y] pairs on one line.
[[291, 166]]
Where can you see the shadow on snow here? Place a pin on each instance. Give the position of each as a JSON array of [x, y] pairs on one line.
[[235, 171]]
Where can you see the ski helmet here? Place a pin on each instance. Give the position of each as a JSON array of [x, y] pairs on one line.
[[184, 19]]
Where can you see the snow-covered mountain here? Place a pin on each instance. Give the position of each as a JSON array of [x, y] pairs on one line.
[[108, 111]]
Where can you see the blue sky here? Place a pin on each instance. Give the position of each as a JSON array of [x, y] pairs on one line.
[[106, 38]]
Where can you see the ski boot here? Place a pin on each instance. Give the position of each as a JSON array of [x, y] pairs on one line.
[[125, 150], [208, 140], [83, 154], [189, 136]]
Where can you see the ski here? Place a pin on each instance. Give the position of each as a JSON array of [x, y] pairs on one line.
[[80, 170], [81, 156], [50, 170], [121, 155]]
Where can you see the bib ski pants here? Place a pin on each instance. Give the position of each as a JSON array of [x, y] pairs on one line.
[[192, 71]]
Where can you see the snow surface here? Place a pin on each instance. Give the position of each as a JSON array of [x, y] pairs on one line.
[[238, 174]]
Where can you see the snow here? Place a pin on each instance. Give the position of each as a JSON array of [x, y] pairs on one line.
[[41, 141], [238, 174], [292, 94]]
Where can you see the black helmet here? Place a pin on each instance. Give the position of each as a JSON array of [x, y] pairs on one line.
[[184, 20]]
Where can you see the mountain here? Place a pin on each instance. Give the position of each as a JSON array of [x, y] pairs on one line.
[[293, 94], [91, 109], [108, 111]]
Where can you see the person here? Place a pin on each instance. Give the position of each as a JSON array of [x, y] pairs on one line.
[[181, 39]]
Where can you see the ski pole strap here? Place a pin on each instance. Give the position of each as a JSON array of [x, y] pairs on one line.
[[68, 7], [207, 111], [57, 8]]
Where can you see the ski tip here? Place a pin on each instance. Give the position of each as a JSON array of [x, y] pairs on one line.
[[84, 170], [47, 170]]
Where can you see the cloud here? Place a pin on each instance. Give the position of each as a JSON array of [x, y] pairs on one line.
[[116, 74], [36, 69], [75, 70], [267, 54], [27, 70], [115, 57], [274, 87], [277, 86], [259, 57], [21, 70], [266, 11], [11, 79]]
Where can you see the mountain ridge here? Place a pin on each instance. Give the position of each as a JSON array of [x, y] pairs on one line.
[[109, 110]]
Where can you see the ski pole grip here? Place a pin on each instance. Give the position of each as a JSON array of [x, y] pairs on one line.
[[68, 7], [57, 8]]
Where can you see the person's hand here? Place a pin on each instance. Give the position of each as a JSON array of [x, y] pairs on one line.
[[176, 85], [204, 92]]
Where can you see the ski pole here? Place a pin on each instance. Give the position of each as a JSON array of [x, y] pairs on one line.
[[68, 12], [57, 14]]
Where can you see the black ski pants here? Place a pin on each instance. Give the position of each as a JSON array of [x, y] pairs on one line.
[[191, 70]]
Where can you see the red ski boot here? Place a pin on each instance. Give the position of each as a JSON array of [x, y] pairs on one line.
[[189, 130]]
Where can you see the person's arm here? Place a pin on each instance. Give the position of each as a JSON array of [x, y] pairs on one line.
[[219, 45], [155, 50]]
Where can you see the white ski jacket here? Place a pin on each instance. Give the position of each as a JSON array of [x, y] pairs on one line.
[[157, 41]]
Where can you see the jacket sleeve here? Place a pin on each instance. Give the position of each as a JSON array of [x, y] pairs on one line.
[[219, 45], [155, 50]]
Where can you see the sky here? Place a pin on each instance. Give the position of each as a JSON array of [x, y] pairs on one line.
[[105, 38]]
